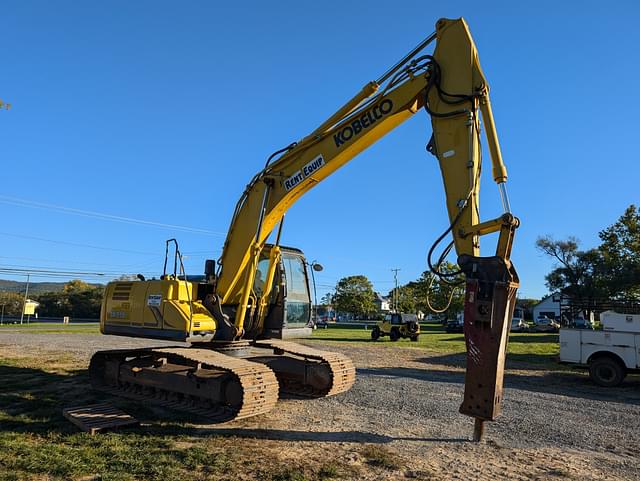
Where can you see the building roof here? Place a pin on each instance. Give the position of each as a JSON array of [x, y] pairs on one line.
[[548, 298]]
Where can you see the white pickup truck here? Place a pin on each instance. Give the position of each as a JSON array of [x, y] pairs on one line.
[[610, 353]]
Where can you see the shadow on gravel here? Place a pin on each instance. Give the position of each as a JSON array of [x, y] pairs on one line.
[[172, 429], [572, 384], [529, 362], [339, 339], [291, 435]]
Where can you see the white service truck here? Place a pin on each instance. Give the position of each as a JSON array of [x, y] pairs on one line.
[[610, 353]]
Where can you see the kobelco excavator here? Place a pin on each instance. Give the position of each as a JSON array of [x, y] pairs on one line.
[[238, 314]]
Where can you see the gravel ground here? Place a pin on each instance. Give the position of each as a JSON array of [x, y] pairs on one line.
[[555, 424]]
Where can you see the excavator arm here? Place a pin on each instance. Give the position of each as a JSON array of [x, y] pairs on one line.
[[451, 87], [237, 364]]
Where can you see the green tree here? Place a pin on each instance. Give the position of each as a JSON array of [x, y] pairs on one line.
[[354, 294], [53, 304], [612, 270], [78, 299], [12, 302], [327, 299], [76, 285], [433, 294], [406, 298], [620, 250], [579, 274], [86, 304]]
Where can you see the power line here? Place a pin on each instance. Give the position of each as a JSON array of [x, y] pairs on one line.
[[209, 252], [31, 268], [53, 277], [100, 216], [75, 244], [60, 276], [137, 265], [69, 269], [14, 270]]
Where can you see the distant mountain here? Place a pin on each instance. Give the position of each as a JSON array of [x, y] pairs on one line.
[[34, 287]]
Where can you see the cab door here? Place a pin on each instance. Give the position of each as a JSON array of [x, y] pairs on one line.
[[297, 308], [290, 303]]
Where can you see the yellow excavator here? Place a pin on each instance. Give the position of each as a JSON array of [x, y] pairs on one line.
[[238, 316]]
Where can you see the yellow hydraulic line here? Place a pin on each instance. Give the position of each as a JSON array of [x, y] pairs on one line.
[[246, 288], [274, 259]]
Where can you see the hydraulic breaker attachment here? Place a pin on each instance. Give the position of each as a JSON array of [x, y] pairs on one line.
[[490, 299]]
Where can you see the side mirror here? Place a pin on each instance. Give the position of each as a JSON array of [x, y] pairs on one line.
[[209, 267], [317, 267], [210, 270]]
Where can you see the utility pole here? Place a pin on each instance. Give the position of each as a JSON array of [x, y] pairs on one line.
[[395, 291], [26, 293], [6, 106]]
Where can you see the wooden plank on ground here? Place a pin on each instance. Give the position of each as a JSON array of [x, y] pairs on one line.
[[98, 417]]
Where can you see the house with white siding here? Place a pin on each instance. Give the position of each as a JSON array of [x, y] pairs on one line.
[[382, 303], [548, 307]]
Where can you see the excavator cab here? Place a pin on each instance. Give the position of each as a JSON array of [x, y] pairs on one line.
[[289, 311]]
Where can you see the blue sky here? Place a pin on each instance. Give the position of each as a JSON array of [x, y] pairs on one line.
[[163, 111]]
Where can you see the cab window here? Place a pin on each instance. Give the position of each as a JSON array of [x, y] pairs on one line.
[[298, 307], [261, 276]]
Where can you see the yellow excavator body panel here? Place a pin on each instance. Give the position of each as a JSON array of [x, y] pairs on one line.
[[165, 309]]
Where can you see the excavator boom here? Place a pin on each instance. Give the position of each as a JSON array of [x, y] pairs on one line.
[[420, 82]]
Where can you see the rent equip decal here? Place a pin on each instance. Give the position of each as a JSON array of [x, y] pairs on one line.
[[305, 172], [366, 120]]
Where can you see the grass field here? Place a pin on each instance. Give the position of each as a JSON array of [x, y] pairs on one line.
[[529, 347], [526, 346], [53, 328], [37, 443]]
